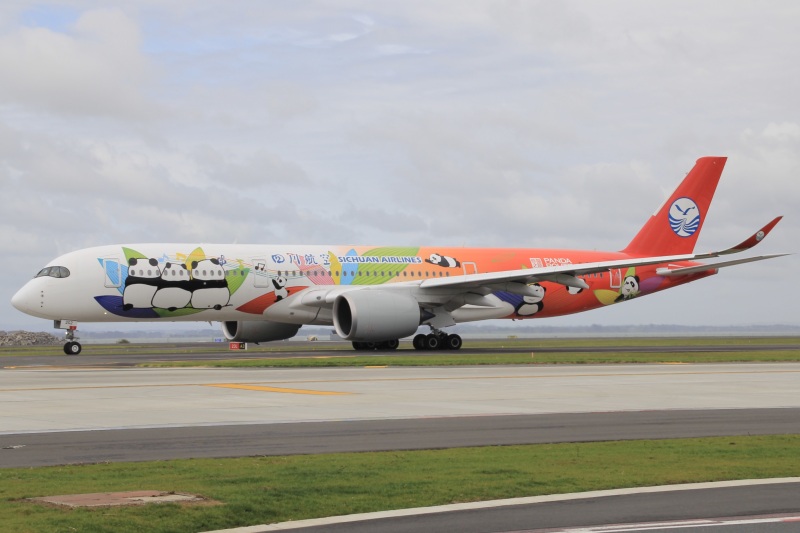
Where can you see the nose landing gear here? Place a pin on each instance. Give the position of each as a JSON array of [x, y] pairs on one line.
[[71, 347]]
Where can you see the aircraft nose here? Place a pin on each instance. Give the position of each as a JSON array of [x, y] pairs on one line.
[[25, 299]]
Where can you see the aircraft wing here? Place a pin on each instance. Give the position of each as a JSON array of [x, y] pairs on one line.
[[516, 281], [439, 290]]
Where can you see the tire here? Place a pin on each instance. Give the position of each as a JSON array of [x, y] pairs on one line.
[[358, 345], [432, 342], [453, 342], [72, 348], [391, 345], [419, 342]]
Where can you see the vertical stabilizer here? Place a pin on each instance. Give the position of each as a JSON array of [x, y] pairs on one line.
[[674, 229]]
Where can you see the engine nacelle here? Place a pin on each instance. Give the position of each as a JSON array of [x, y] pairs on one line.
[[258, 331], [369, 315]]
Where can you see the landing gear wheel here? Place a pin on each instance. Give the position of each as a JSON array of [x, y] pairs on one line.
[[432, 342], [419, 342], [72, 348], [391, 345], [453, 342]]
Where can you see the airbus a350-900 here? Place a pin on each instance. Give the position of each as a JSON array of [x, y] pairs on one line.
[[375, 295]]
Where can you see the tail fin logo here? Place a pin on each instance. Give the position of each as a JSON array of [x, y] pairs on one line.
[[684, 217]]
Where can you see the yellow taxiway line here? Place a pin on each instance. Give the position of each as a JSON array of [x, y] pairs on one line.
[[277, 389]]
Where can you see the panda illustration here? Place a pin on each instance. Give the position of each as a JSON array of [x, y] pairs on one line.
[[574, 290], [629, 289], [175, 289], [280, 288], [443, 260], [141, 284], [210, 287], [532, 304]]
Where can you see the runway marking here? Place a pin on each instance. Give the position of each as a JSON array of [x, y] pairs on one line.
[[276, 389], [677, 524]]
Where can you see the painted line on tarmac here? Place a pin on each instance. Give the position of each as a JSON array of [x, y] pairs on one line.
[[297, 524], [276, 389], [678, 524]]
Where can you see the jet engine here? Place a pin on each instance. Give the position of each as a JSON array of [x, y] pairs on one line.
[[369, 315], [258, 331]]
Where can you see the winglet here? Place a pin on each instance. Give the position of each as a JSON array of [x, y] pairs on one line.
[[754, 239]]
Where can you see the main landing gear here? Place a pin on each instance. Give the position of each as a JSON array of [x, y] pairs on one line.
[[437, 340], [389, 345]]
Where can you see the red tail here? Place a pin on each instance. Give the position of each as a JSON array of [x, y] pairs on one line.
[[674, 229]]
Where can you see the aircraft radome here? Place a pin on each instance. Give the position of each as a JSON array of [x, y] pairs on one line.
[[375, 295]]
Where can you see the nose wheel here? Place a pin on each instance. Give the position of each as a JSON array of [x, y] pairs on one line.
[[71, 347]]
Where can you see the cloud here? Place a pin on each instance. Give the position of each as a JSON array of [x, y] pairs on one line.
[[94, 68]]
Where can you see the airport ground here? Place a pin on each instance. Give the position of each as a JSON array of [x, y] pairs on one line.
[[101, 408]]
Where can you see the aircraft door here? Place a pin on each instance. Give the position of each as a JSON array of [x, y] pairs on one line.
[[268, 267], [113, 272], [615, 278], [470, 267], [260, 272]]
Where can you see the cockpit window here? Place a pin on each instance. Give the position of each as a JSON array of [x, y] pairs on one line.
[[54, 272]]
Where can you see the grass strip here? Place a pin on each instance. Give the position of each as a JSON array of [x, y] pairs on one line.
[[260, 490], [456, 359], [523, 345]]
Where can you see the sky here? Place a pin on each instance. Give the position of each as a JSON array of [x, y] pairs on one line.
[[485, 123]]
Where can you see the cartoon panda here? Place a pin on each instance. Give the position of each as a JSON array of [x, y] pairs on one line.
[[209, 284], [629, 289], [532, 304], [443, 260], [280, 288], [141, 284], [175, 289]]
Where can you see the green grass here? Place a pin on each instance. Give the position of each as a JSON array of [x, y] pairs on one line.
[[449, 359], [274, 489], [515, 352], [523, 345]]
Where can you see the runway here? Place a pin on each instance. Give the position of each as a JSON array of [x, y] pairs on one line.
[[58, 415], [325, 405]]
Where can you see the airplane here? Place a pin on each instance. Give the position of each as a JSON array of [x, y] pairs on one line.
[[373, 296]]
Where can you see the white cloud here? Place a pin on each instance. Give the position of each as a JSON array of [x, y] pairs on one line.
[[96, 68]]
